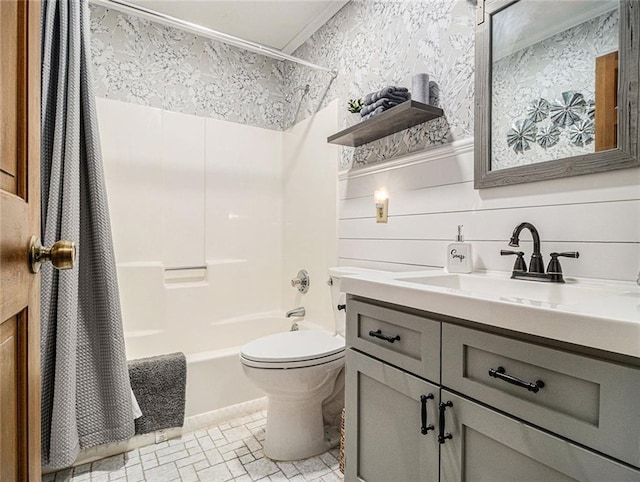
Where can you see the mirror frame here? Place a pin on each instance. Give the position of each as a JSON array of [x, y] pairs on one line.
[[625, 156]]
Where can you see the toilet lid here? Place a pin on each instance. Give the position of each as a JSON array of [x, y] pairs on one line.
[[293, 346]]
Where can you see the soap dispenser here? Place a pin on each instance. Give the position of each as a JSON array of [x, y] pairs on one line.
[[459, 258]]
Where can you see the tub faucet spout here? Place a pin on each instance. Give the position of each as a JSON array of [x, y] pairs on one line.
[[300, 311]]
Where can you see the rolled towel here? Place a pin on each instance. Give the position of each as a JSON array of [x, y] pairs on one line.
[[401, 92], [386, 103], [420, 88]]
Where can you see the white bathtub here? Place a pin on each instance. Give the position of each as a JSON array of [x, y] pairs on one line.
[[215, 378], [217, 388]]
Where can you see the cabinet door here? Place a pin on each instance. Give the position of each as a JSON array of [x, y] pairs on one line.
[[488, 446], [383, 423]]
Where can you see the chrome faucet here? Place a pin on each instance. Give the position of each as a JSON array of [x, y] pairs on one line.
[[536, 265], [299, 311]]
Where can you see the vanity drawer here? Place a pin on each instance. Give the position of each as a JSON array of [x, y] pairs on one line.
[[587, 400], [407, 341]]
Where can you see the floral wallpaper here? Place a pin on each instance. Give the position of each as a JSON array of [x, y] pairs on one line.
[[371, 44], [561, 64], [142, 62]]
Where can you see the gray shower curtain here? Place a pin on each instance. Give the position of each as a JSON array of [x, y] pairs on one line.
[[86, 394]]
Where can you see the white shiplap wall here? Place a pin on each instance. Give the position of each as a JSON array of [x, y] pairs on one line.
[[431, 192]]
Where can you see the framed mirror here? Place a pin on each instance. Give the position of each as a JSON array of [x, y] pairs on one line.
[[557, 89]]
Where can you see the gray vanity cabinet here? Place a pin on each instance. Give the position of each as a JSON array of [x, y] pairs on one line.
[[543, 414], [384, 440]]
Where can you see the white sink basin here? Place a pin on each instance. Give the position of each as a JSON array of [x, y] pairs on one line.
[[516, 290]]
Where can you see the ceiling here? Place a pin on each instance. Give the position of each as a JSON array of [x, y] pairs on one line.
[[280, 24]]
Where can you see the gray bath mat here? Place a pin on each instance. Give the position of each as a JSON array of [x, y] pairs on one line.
[[159, 385]]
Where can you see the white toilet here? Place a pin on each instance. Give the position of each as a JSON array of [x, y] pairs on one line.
[[300, 371]]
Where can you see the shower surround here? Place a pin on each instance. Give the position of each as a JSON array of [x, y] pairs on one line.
[[207, 225]]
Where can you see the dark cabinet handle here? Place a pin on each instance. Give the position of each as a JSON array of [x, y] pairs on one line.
[[442, 436], [425, 428], [501, 374], [379, 334]]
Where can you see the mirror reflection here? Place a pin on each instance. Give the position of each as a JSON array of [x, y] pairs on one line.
[[554, 83]]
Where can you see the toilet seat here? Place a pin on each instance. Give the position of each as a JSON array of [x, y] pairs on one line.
[[293, 349]]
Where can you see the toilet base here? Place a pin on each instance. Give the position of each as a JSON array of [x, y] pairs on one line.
[[295, 429]]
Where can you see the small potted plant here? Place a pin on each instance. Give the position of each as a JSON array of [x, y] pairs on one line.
[[354, 106]]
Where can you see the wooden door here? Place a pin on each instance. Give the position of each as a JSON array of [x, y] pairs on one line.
[[19, 220], [606, 121], [383, 421]]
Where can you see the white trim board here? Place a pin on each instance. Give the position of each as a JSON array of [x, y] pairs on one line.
[[427, 155]]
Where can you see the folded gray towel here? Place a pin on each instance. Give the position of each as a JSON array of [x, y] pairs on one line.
[[379, 110], [393, 97], [386, 103], [159, 385], [399, 92], [399, 98]]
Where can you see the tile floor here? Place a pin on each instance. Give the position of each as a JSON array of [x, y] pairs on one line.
[[230, 451]]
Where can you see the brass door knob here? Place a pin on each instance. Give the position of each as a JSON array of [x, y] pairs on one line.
[[62, 254]]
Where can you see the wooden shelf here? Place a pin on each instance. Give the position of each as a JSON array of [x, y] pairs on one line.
[[396, 119]]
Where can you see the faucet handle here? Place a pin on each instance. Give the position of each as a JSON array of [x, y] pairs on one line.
[[519, 265], [554, 267], [301, 281], [566, 254], [506, 252]]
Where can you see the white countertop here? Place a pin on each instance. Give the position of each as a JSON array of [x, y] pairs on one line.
[[608, 320]]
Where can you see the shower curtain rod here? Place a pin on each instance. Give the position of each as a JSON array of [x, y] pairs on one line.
[[149, 14]]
